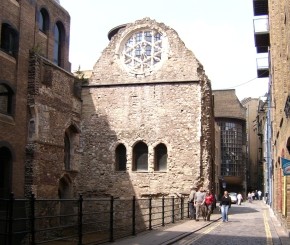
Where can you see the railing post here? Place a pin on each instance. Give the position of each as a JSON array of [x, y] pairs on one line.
[[188, 209], [181, 207], [163, 211], [32, 218], [10, 218], [134, 216], [173, 209], [80, 219], [112, 219], [150, 213]]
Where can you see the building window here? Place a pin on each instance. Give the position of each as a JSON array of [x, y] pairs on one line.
[[5, 172], [43, 21], [67, 152], [143, 51], [140, 157], [232, 148], [160, 155], [71, 139], [121, 157], [58, 44], [9, 39], [6, 95]]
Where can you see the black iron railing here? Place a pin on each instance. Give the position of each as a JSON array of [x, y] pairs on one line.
[[84, 221]]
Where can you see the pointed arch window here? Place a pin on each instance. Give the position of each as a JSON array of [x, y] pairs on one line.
[[71, 138], [160, 156], [121, 157], [140, 157], [67, 151]]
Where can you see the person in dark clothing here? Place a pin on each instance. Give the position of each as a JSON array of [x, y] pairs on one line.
[[225, 204]]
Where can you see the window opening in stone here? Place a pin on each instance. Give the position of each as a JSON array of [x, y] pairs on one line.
[[67, 149], [58, 43], [43, 21], [140, 157], [142, 51], [5, 99], [121, 158], [9, 39], [5, 172], [160, 155], [65, 191]]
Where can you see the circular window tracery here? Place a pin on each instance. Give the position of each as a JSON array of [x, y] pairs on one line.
[[143, 51]]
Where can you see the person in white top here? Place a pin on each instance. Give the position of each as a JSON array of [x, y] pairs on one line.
[[240, 198], [259, 194]]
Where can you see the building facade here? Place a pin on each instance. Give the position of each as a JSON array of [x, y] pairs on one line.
[[274, 41], [254, 148], [230, 115], [144, 128], [39, 100], [147, 125]]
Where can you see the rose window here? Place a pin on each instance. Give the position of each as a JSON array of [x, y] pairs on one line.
[[143, 51]]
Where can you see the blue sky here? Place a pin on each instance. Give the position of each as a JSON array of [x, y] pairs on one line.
[[219, 32]]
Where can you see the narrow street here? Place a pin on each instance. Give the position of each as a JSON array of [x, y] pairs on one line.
[[249, 224]]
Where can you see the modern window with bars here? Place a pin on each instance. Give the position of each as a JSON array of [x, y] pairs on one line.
[[231, 148]]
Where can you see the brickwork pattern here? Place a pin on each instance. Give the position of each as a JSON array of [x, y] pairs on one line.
[[23, 17]]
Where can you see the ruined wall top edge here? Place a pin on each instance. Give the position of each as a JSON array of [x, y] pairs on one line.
[[143, 52]]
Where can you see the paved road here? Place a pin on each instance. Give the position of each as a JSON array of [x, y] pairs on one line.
[[250, 223]]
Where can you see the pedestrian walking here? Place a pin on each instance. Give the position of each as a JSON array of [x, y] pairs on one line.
[[260, 194], [198, 202], [208, 203], [191, 202], [240, 198], [250, 197], [253, 195], [225, 205]]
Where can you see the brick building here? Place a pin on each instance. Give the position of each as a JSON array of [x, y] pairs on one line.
[[273, 42], [254, 172], [147, 119], [39, 100]]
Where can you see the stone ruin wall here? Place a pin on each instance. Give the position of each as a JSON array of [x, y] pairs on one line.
[[154, 114], [169, 106]]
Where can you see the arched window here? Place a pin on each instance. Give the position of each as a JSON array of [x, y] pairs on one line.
[[65, 191], [71, 137], [140, 157], [58, 43], [43, 21], [9, 39], [121, 157], [160, 156], [6, 95], [67, 151], [5, 172]]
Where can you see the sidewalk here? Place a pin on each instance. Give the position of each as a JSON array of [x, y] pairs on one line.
[[174, 232], [170, 233], [282, 234]]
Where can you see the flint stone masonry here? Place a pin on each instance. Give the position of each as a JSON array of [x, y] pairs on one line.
[[54, 107], [172, 105]]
